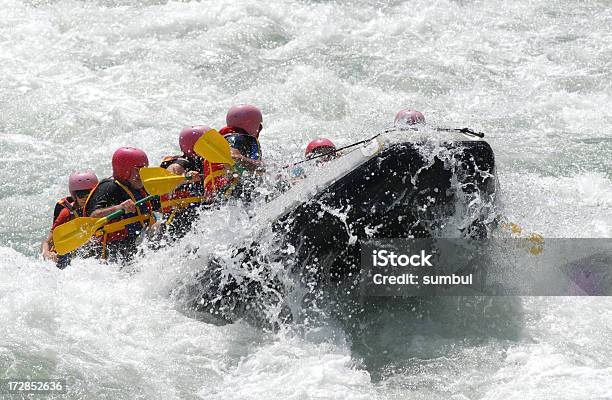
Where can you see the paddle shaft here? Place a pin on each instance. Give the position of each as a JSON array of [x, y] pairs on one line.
[[466, 131]]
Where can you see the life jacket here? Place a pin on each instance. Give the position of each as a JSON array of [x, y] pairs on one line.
[[215, 177], [68, 203], [71, 205], [187, 194], [127, 226]]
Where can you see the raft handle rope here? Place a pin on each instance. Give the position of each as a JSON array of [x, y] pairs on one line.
[[465, 131], [336, 150]]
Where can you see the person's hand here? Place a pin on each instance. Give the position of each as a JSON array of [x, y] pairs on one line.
[[236, 156], [155, 231], [50, 256], [128, 206], [194, 176], [246, 162]]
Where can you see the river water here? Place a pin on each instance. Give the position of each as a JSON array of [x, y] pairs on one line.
[[79, 79]]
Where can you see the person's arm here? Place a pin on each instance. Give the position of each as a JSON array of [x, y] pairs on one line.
[[128, 206], [250, 164], [46, 246]]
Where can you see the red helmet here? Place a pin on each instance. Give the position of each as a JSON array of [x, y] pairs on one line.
[[189, 136], [320, 143], [81, 180], [245, 116], [409, 117], [125, 159]]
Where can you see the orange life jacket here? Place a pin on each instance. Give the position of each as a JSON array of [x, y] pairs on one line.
[[68, 203], [187, 194], [215, 178]]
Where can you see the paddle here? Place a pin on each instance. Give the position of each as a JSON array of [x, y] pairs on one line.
[[213, 147], [159, 180], [466, 131], [75, 233]]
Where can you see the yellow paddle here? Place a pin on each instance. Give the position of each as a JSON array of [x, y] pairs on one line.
[[159, 180], [213, 147], [75, 233]]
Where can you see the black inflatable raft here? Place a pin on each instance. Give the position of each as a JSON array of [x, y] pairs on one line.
[[402, 192], [415, 188]]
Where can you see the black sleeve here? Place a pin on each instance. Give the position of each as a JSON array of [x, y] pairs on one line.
[[106, 194]]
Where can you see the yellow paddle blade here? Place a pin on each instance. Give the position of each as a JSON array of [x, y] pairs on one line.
[[159, 180], [213, 147], [75, 233]]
